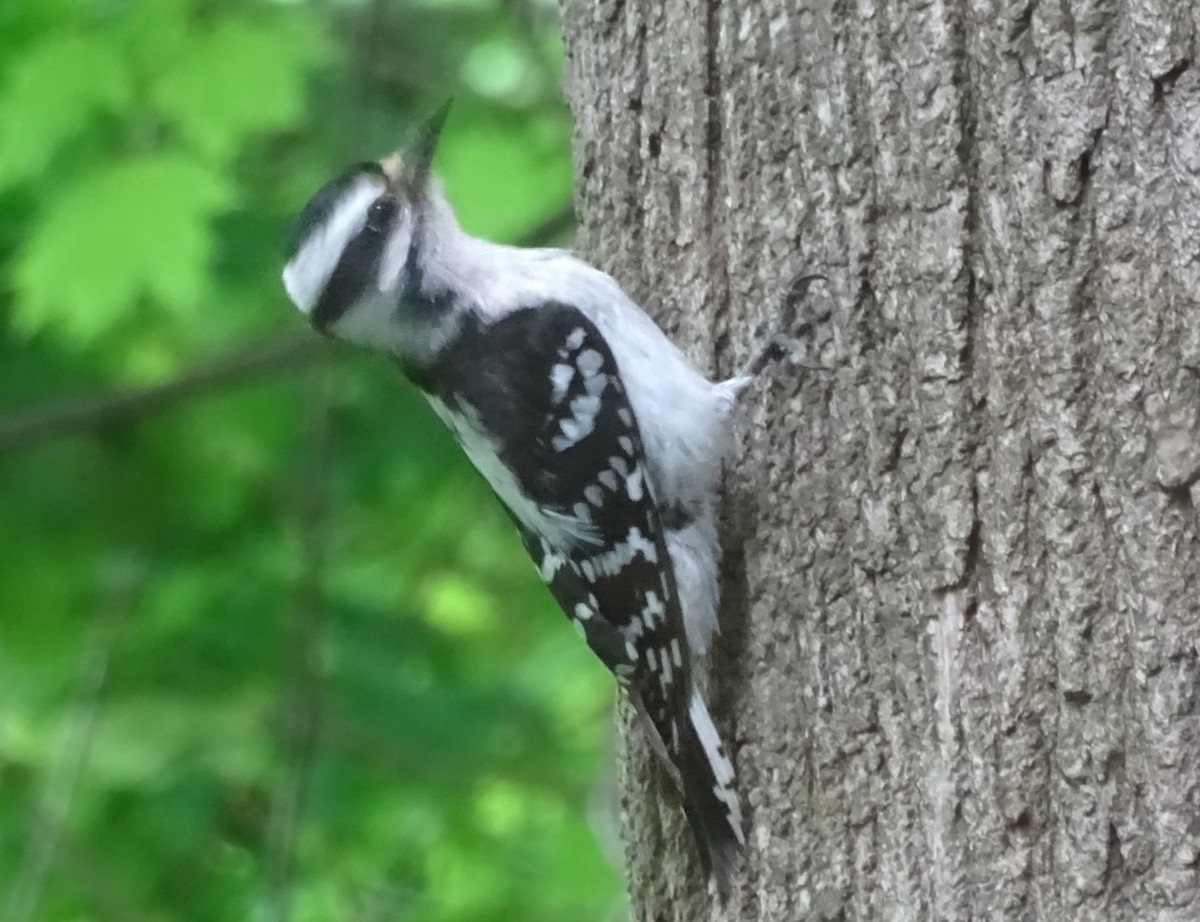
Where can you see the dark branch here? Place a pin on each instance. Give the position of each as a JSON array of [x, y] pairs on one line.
[[28, 428], [551, 230]]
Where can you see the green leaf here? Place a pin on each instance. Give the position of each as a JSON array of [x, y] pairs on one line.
[[133, 229], [498, 69], [306, 563], [503, 178], [53, 89], [235, 80], [155, 33], [21, 22]]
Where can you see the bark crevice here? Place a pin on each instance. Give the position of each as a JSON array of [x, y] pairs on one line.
[[717, 303]]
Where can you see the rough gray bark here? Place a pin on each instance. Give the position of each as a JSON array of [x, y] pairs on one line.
[[960, 673]]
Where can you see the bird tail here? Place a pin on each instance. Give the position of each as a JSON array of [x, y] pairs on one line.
[[710, 800]]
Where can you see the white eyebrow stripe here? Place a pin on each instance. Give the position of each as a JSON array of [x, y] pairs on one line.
[[306, 275]]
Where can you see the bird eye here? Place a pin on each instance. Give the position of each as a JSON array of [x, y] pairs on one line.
[[382, 211]]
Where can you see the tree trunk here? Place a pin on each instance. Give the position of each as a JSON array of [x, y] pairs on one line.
[[959, 665]]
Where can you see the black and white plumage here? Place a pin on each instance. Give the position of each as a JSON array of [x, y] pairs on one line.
[[600, 437]]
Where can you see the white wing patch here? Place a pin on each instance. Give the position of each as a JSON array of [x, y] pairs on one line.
[[612, 562], [654, 611], [633, 484], [721, 766], [574, 341], [560, 379], [590, 362], [586, 407]]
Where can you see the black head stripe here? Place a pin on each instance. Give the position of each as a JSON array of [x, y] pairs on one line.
[[418, 296], [354, 272], [321, 206]]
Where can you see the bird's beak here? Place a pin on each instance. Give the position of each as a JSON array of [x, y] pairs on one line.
[[412, 164]]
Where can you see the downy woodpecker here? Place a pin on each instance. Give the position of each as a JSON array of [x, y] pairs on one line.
[[599, 436]]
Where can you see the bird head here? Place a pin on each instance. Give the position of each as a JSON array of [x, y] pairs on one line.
[[354, 251]]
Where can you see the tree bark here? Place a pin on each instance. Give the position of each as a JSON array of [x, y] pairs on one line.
[[959, 666]]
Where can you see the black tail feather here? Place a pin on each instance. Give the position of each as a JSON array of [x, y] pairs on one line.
[[716, 847]]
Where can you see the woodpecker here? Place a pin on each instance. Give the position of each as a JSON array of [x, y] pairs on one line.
[[602, 440]]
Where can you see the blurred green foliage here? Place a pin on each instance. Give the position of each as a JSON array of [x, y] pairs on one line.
[[268, 647]]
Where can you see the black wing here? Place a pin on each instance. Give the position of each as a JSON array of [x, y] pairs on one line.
[[544, 386], [540, 389]]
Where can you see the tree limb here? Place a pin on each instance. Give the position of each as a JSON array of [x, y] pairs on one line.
[[551, 230], [26, 429]]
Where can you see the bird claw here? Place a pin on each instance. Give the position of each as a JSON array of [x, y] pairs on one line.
[[784, 345]]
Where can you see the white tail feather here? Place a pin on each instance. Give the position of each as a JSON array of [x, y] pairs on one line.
[[722, 768]]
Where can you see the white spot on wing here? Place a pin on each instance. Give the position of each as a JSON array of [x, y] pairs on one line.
[[594, 495], [608, 478], [626, 416], [633, 484], [560, 380], [654, 609], [571, 431], [645, 546], [582, 612], [613, 561], [575, 340], [595, 385], [590, 362], [585, 408], [626, 444], [551, 561]]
